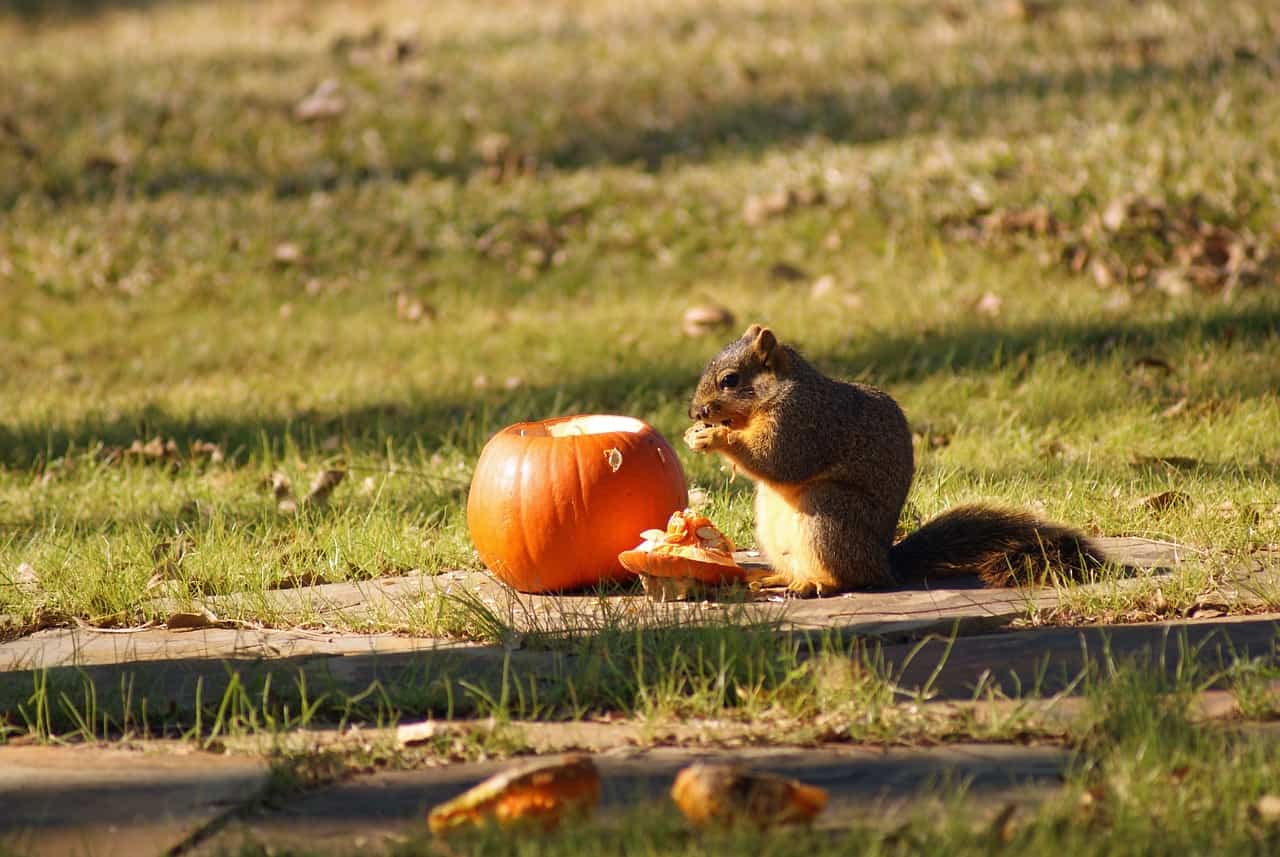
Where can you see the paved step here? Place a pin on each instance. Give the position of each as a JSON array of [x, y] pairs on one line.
[[377, 811], [85, 800]]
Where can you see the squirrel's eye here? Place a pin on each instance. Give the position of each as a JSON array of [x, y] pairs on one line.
[[728, 381]]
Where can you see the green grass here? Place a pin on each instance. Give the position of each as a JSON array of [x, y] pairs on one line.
[[151, 167]]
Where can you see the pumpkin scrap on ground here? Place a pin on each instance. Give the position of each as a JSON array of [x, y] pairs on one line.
[[727, 794], [690, 549], [541, 792]]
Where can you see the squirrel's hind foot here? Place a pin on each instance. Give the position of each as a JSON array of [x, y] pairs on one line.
[[794, 586]]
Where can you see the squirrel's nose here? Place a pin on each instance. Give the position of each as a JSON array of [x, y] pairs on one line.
[[703, 412]]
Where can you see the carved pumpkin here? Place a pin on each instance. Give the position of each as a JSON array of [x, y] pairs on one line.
[[553, 503]]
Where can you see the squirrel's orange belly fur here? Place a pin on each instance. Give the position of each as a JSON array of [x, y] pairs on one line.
[[783, 531]]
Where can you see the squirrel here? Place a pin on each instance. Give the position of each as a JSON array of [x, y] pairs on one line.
[[832, 463]]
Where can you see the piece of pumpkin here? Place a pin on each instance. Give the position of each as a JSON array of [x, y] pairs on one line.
[[709, 793], [553, 503], [691, 547], [541, 793]]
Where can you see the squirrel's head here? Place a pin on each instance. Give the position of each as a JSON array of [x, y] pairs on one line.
[[740, 377]]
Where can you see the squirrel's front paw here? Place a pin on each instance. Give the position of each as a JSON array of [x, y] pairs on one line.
[[705, 438]]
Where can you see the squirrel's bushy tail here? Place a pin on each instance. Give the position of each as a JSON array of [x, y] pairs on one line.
[[1004, 547]]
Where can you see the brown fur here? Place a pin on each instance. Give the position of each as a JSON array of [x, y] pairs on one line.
[[832, 462]]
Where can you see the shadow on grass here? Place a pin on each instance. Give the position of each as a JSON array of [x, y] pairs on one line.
[[35, 11], [715, 125], [466, 422], [596, 675]]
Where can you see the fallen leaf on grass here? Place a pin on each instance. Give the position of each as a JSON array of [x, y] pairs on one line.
[[414, 734], [282, 490], [494, 147], [156, 449], [323, 102], [413, 310], [1267, 809], [191, 621], [1165, 500], [205, 449], [287, 253], [299, 579], [822, 287], [323, 484], [1148, 361], [989, 305], [1169, 462], [757, 208], [168, 554], [787, 272], [701, 319], [24, 577], [1002, 828]]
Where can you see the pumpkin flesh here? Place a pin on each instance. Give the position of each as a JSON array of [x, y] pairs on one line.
[[691, 547]]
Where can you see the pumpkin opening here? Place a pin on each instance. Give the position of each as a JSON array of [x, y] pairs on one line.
[[593, 424]]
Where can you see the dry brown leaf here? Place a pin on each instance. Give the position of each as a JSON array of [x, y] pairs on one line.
[[787, 272], [1169, 462], [323, 102], [287, 253], [989, 305], [1267, 809], [1165, 500], [1102, 274], [323, 484], [494, 148], [1149, 361], [24, 577], [822, 287], [282, 490], [191, 621], [205, 449], [1172, 282], [414, 734], [1002, 828], [757, 208], [706, 318], [413, 310], [299, 579]]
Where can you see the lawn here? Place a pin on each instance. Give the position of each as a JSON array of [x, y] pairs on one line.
[[244, 245], [1048, 229]]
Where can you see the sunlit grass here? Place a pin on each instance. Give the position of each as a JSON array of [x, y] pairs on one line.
[[143, 295]]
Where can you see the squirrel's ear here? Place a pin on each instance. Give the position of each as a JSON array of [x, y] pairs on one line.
[[752, 332], [765, 345]]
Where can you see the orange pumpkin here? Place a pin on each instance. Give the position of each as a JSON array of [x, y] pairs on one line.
[[553, 503]]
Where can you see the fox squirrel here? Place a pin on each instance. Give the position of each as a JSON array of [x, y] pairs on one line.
[[832, 463]]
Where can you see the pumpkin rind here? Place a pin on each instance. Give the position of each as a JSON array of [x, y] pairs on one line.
[[541, 792], [551, 510], [675, 565]]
